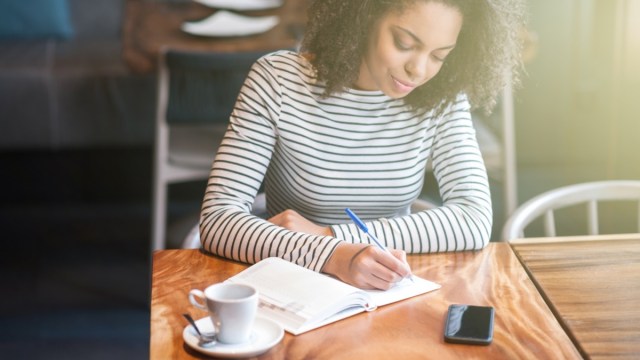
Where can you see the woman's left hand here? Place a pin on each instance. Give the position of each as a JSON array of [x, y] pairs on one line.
[[291, 220]]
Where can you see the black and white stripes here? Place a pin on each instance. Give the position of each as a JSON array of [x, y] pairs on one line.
[[357, 149]]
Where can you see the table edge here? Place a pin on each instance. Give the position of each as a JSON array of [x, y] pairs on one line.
[[557, 239]]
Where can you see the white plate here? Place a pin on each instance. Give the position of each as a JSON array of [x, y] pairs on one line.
[[225, 23], [241, 5], [265, 335]]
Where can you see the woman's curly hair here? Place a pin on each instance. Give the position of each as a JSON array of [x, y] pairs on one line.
[[488, 46]]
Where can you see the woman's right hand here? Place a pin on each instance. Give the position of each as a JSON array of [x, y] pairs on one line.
[[367, 267]]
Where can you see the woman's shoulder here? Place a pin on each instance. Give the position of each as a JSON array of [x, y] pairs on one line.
[[283, 58], [460, 104], [289, 61]]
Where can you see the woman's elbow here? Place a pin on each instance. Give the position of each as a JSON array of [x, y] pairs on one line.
[[485, 237]]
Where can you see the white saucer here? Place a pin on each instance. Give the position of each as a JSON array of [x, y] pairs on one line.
[[225, 23], [265, 335], [241, 5]]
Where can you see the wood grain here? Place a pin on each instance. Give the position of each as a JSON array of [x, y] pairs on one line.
[[525, 328], [148, 26], [594, 288]]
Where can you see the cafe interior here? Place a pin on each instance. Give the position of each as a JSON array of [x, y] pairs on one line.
[[94, 202]]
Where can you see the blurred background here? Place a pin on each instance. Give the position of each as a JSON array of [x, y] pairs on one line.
[[76, 152], [575, 112]]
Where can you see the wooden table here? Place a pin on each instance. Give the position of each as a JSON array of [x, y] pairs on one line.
[[593, 286], [150, 25], [524, 326]]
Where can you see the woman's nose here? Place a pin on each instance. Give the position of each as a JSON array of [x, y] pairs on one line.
[[417, 68]]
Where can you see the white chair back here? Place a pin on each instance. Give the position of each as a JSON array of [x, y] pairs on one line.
[[589, 193]]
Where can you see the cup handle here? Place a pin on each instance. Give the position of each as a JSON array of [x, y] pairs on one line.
[[196, 294]]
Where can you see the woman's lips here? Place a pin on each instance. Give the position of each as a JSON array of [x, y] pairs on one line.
[[403, 86]]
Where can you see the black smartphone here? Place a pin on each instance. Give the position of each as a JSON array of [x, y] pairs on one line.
[[469, 324]]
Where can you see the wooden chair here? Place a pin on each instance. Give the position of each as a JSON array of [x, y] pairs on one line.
[[196, 94]]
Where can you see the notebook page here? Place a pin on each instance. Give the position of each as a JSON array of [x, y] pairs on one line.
[[293, 293], [402, 290]]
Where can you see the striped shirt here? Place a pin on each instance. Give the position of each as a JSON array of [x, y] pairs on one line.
[[318, 155]]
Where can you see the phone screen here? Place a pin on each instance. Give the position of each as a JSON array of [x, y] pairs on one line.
[[469, 324]]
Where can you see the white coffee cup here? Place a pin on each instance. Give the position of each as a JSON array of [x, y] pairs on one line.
[[232, 308]]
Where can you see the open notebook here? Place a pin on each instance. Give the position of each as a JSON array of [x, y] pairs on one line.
[[300, 299]]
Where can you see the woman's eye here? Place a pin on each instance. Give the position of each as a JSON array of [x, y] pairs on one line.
[[438, 58], [401, 45]]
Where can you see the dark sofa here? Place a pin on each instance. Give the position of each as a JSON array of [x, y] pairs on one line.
[[71, 88]]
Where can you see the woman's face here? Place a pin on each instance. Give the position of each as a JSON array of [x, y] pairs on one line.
[[407, 49]]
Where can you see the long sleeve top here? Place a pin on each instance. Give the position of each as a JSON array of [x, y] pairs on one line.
[[319, 155]]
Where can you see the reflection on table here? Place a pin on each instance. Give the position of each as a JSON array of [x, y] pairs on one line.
[[413, 328]]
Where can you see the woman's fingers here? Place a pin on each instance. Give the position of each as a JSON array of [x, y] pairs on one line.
[[374, 268], [404, 270]]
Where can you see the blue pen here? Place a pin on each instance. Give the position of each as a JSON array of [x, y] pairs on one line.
[[365, 229]]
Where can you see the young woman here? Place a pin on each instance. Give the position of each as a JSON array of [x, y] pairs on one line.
[[379, 89]]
